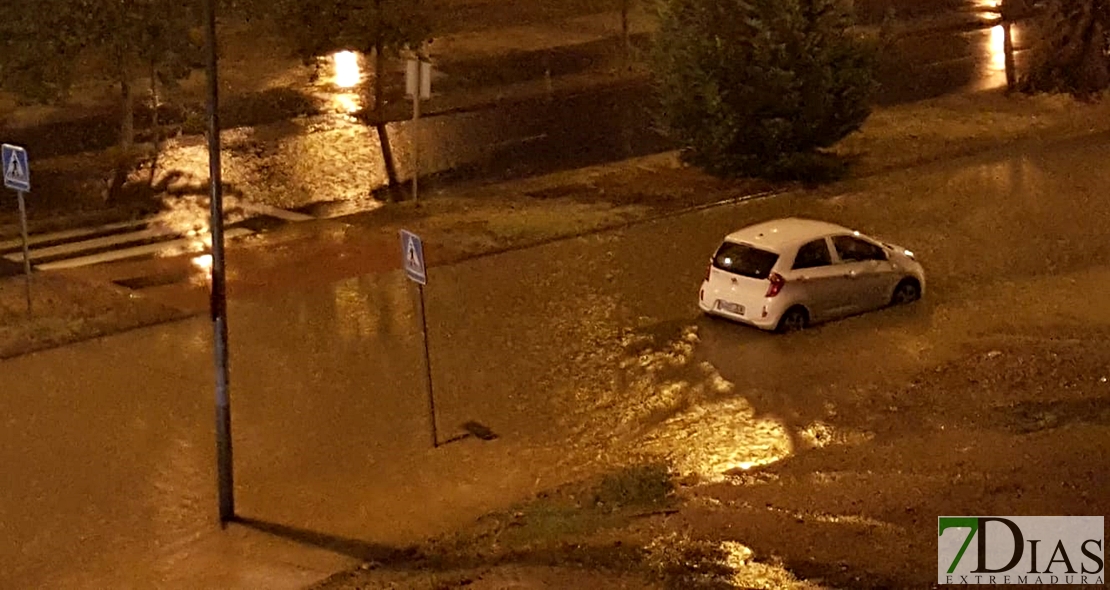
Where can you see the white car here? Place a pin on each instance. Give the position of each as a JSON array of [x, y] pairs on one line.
[[787, 274]]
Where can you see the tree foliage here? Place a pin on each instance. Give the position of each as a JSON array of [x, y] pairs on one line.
[[39, 47], [42, 43], [318, 28], [381, 28], [1071, 52], [760, 87]]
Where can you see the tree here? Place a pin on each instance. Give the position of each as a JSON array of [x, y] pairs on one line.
[[1071, 48], [39, 47], [760, 87], [382, 28], [144, 38], [135, 38]]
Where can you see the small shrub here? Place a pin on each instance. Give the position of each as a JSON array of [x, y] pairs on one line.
[[757, 87], [639, 485]]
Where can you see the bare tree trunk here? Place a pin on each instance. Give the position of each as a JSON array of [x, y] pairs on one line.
[[155, 132], [127, 122], [379, 121], [122, 164], [1010, 12], [1008, 52], [626, 43]]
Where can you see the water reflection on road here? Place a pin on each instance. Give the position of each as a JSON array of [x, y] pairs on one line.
[[578, 354], [333, 158]]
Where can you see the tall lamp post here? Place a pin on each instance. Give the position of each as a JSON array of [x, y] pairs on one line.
[[219, 296]]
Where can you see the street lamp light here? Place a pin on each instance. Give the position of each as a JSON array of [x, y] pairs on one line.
[[218, 303]]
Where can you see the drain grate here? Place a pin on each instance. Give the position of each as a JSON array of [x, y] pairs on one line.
[[558, 192], [157, 280]]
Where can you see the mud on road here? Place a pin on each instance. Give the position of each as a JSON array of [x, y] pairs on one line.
[[1018, 425]]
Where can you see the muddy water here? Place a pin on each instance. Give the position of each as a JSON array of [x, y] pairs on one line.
[[298, 162]]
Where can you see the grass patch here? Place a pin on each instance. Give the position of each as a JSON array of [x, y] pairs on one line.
[[572, 513], [66, 310], [951, 126], [646, 485]]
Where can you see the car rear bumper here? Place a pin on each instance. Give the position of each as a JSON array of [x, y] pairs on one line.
[[763, 323]]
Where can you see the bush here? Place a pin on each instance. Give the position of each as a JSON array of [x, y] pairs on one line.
[[760, 87], [638, 485]]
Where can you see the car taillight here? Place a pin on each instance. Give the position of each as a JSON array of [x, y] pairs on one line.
[[776, 284]]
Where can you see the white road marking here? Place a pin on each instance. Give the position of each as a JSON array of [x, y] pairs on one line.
[[105, 242], [124, 253], [69, 234]]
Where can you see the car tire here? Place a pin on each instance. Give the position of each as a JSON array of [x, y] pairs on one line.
[[907, 291], [793, 320]]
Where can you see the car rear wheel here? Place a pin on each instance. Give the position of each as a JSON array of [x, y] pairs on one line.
[[906, 292], [795, 319]]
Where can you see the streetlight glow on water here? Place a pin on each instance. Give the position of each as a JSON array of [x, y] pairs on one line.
[[347, 71], [347, 76]]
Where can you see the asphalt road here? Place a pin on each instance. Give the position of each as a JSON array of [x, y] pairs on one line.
[[576, 355]]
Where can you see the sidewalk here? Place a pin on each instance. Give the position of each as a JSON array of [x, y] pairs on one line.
[[108, 449]]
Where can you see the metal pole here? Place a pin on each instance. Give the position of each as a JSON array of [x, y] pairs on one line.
[[26, 253], [428, 369], [219, 297], [415, 124]]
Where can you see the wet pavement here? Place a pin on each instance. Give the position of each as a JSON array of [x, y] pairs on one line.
[[277, 157], [330, 165], [577, 355]]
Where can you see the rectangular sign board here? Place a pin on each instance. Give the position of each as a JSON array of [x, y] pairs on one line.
[[412, 257], [423, 75], [17, 172]]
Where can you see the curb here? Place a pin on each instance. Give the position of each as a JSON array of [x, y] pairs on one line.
[[619, 226], [176, 317], [969, 153], [186, 315]]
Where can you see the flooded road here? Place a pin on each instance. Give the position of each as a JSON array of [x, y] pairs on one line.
[[331, 164], [576, 355]]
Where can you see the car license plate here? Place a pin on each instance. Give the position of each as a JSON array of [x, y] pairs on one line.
[[730, 307]]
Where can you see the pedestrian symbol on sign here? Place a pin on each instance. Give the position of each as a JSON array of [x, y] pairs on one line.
[[17, 175], [412, 251], [15, 169]]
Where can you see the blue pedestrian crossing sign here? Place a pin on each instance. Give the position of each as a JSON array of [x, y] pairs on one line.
[[17, 174], [412, 257]]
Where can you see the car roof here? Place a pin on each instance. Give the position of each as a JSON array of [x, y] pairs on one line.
[[785, 233]]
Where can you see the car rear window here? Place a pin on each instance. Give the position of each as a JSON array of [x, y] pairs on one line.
[[745, 260]]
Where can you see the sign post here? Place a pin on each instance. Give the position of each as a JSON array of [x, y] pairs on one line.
[[17, 176], [218, 304], [418, 85], [412, 258]]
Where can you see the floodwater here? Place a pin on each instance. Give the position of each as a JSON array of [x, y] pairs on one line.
[[332, 164], [577, 356]]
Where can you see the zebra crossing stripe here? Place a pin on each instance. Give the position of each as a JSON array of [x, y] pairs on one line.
[[84, 246], [16, 243], [133, 252], [108, 241]]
